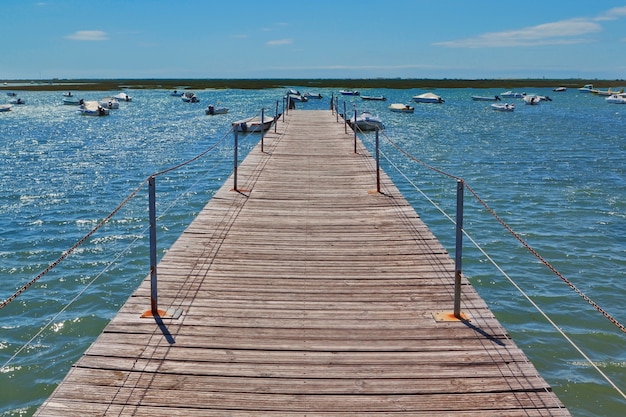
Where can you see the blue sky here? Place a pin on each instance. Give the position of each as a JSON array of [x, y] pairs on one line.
[[313, 39]]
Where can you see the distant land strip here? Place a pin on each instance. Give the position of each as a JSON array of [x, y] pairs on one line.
[[312, 84]]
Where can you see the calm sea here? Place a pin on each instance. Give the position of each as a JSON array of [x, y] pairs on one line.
[[556, 173]]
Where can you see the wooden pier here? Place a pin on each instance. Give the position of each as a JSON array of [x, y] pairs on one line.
[[305, 292]]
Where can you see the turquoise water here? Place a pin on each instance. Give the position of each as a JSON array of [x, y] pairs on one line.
[[554, 172]]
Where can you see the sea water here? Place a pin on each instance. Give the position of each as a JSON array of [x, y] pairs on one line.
[[555, 173]]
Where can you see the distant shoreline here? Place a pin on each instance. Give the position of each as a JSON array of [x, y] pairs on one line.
[[311, 84]]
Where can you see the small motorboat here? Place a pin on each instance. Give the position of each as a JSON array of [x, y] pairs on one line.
[[11, 94], [189, 97], [122, 97], [486, 98], [378, 98], [211, 110], [68, 94], [349, 93], [428, 98], [512, 94], [17, 101], [176, 93], [72, 101], [532, 99], [110, 103], [295, 95], [253, 124], [92, 108], [587, 88], [616, 99], [313, 95], [503, 107], [366, 122], [560, 89], [5, 107], [401, 108]]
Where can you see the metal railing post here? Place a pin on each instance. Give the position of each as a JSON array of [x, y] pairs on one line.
[[154, 307], [458, 254], [377, 163], [262, 128], [345, 121], [276, 117], [354, 126], [236, 146]]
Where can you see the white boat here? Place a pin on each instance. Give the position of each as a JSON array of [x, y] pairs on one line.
[[375, 98], [211, 110], [503, 107], [92, 108], [5, 107], [587, 88], [313, 95], [401, 108], [532, 99], [512, 94], [189, 97], [349, 93], [110, 103], [486, 98], [366, 122], [428, 98], [616, 99], [253, 124], [122, 97], [295, 95], [72, 100], [560, 89], [17, 101], [68, 94]]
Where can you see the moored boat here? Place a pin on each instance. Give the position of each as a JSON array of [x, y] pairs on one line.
[[17, 101], [428, 98], [366, 122], [349, 92], [378, 98], [5, 107], [503, 107], [587, 88], [616, 99], [92, 108], [560, 89], [401, 108], [512, 94], [190, 97], [486, 98], [122, 97], [110, 103], [72, 100], [211, 110], [313, 95], [253, 124]]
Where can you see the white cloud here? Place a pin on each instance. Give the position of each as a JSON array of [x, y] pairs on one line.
[[612, 14], [556, 33], [565, 32], [88, 35], [279, 42]]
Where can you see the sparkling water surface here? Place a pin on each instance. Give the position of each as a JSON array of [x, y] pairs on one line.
[[554, 172]]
